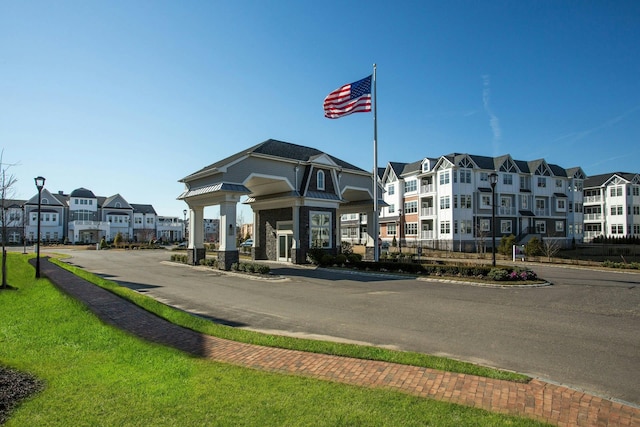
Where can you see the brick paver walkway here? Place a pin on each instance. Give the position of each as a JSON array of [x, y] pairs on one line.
[[543, 401]]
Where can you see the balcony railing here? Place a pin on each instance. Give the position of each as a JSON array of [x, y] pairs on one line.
[[506, 211], [592, 217], [542, 212], [427, 211], [592, 199], [426, 234], [427, 188]]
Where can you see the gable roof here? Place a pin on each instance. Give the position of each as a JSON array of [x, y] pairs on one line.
[[144, 209], [600, 180], [275, 148]]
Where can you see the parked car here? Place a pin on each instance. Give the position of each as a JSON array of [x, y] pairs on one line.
[[247, 243]]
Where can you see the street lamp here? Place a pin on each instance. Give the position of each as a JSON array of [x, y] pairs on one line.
[[39, 185], [493, 180], [400, 231], [24, 231], [184, 224]]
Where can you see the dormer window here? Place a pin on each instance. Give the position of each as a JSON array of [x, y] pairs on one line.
[[320, 179]]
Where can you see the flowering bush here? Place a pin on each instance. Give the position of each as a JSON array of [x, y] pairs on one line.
[[500, 274]]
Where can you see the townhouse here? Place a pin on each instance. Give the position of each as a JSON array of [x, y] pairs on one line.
[[83, 217]]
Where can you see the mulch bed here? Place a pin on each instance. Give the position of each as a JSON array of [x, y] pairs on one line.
[[14, 387]]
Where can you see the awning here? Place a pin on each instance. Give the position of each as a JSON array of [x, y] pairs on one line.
[[559, 194], [526, 213], [484, 190]]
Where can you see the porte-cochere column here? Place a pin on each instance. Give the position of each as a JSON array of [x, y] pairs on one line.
[[196, 250], [228, 251]]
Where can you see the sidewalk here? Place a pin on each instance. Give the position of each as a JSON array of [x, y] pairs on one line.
[[539, 400]]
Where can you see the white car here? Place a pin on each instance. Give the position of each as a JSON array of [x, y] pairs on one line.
[[247, 243]]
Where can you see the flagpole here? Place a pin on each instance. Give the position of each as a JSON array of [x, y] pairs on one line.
[[376, 230]]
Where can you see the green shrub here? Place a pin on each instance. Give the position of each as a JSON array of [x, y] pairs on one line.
[[340, 259], [354, 258], [327, 259], [498, 274], [533, 247], [346, 248], [506, 244], [314, 255]]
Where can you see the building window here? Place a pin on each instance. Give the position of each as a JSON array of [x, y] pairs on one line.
[[561, 205], [484, 176], [444, 177], [392, 208], [445, 202], [320, 180], [485, 225], [391, 229], [558, 183], [465, 201], [505, 226], [410, 186], [411, 228], [465, 176], [485, 201], [320, 229], [445, 227], [559, 226], [524, 202], [507, 179], [391, 189], [465, 226], [411, 207], [542, 182], [541, 227]]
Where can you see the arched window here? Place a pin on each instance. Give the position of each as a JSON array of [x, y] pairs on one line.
[[320, 180]]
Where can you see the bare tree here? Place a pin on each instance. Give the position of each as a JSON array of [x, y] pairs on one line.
[[7, 181], [550, 247]]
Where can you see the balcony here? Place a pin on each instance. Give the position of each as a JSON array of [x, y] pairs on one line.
[[542, 212], [592, 199], [427, 211], [506, 211], [426, 235], [427, 188], [592, 216]]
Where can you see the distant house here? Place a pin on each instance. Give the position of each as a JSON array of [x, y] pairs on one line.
[[81, 217]]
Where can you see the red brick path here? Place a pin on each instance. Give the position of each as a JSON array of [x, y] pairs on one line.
[[539, 400]]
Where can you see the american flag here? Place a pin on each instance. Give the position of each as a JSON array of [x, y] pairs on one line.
[[351, 98]]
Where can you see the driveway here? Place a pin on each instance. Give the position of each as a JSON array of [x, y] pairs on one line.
[[584, 331]]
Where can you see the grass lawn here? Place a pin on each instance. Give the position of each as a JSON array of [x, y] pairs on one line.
[[97, 375]]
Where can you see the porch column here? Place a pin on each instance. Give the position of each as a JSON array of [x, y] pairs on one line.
[[196, 251], [296, 247], [372, 237], [228, 252]]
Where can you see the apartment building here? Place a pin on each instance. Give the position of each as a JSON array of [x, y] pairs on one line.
[[446, 202], [612, 205]]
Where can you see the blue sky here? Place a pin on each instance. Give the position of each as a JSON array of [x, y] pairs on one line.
[[130, 96]]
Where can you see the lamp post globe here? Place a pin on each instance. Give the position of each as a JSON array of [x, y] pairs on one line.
[[39, 185], [493, 180]]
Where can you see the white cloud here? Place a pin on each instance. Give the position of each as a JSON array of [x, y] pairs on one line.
[[494, 122]]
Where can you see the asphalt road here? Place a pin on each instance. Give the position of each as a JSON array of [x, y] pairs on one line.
[[584, 331]]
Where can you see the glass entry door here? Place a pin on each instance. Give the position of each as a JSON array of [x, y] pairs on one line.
[[285, 242]]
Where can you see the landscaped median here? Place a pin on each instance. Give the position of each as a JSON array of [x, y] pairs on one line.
[[453, 271], [94, 374]]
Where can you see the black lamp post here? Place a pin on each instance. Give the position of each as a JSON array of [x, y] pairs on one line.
[[24, 231], [184, 224], [400, 231], [39, 185], [493, 180]]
